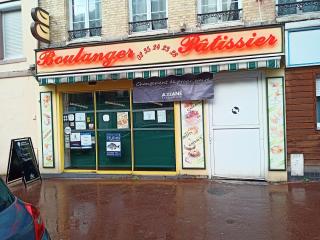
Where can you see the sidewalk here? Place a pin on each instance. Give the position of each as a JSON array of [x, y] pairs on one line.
[[175, 209]]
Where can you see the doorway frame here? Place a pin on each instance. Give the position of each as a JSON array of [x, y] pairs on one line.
[[262, 95]]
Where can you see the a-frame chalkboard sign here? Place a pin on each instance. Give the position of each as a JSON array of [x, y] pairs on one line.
[[22, 164]]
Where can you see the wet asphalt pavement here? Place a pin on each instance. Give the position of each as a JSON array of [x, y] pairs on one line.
[[176, 209]]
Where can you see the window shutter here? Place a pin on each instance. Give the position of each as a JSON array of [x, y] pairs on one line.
[[318, 87], [12, 35]]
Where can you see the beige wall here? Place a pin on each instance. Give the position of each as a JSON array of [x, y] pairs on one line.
[[180, 12], [115, 17], [18, 93], [18, 107]]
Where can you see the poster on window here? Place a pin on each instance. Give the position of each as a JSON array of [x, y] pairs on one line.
[[47, 130], [75, 140], [122, 120], [277, 151], [86, 140], [192, 135], [113, 144]]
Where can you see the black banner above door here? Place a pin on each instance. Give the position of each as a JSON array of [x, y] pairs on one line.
[[173, 88]]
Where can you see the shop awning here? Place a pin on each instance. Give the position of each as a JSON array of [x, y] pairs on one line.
[[252, 64]]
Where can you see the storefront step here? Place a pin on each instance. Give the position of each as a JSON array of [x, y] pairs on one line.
[[117, 176]]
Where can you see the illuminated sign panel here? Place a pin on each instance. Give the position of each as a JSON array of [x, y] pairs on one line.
[[193, 47]]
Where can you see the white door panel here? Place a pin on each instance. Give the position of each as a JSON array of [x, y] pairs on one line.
[[236, 127], [236, 102], [237, 153]]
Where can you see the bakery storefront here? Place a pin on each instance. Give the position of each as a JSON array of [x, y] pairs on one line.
[[166, 106]]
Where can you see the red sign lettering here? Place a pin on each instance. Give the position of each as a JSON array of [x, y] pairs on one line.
[[107, 59], [220, 43]]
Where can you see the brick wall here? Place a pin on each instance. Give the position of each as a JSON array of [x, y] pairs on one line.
[[58, 20], [184, 11], [115, 17], [254, 14]]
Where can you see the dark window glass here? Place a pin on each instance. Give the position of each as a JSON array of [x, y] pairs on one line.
[[318, 101], [85, 14], [287, 9], [318, 109], [148, 15], [215, 12]]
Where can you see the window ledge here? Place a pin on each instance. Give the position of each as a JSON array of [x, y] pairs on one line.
[[298, 17], [222, 25], [14, 60], [148, 33], [85, 40]]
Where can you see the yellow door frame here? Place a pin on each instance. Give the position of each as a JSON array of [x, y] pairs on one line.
[[111, 86]]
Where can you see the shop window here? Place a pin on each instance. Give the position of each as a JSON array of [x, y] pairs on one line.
[[85, 18], [11, 35], [153, 131], [147, 15], [217, 11], [287, 7], [104, 131], [318, 101]]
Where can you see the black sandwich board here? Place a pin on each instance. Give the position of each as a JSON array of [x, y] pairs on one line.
[[22, 164]]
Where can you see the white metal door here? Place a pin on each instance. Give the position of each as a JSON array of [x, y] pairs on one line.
[[237, 134]]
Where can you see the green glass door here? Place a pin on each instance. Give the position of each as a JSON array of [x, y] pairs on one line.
[[153, 128], [79, 131], [113, 129]]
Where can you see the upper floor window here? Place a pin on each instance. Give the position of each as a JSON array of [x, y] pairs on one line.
[[85, 18], [287, 7], [148, 15], [217, 11], [11, 35]]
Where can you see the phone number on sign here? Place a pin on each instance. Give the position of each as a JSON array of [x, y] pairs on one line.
[[157, 47]]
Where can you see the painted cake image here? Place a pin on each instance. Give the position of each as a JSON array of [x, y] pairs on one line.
[[192, 117]]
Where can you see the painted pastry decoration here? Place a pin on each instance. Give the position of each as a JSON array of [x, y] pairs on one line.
[[47, 119], [192, 134], [46, 101]]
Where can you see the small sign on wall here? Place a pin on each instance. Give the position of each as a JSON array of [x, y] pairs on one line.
[[297, 164]]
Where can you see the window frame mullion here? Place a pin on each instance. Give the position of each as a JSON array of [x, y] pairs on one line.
[[219, 5], [149, 14], [86, 15]]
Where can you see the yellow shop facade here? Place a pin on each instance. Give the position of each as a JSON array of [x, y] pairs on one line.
[[148, 106]]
